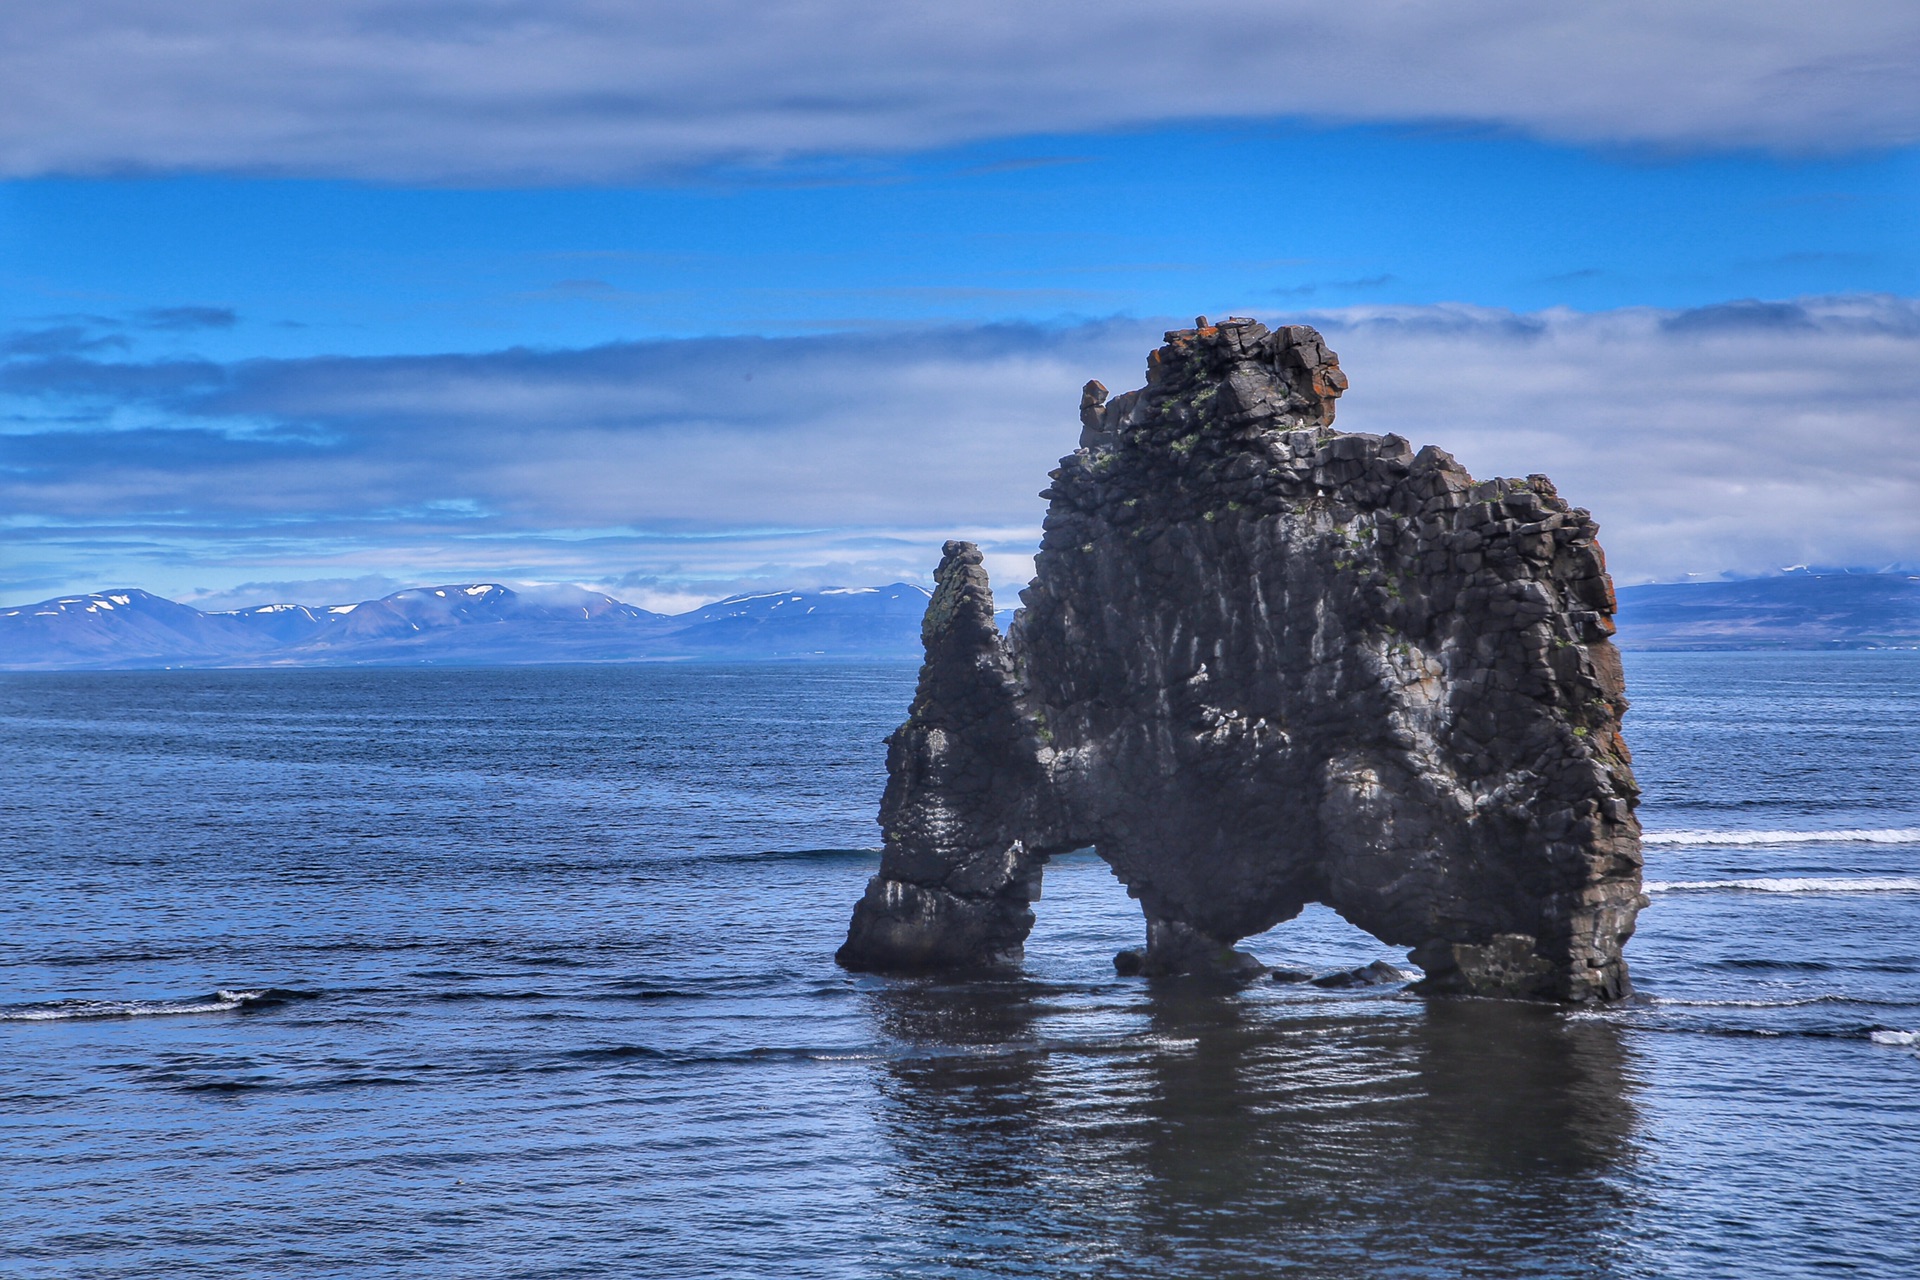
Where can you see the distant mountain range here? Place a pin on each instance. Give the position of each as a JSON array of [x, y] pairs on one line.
[[486, 624], [463, 624], [1788, 611]]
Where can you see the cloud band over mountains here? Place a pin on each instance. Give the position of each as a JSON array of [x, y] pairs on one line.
[[1743, 437], [512, 91]]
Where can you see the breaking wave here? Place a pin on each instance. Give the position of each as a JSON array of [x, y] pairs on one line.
[[1795, 884], [1849, 835], [222, 1001], [1791, 1002], [1902, 1039]]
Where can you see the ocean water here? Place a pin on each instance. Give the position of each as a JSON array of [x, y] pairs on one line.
[[527, 973]]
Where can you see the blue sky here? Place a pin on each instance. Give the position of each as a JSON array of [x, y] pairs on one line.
[[433, 308], [1044, 229]]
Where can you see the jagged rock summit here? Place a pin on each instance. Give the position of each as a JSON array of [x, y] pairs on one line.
[[1264, 663]]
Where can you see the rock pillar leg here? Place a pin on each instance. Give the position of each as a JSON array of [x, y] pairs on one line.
[[963, 776], [1175, 948]]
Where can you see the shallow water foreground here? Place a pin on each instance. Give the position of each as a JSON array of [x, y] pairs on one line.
[[526, 973]]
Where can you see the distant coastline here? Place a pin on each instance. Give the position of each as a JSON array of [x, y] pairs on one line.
[[490, 624], [460, 624], [1796, 610]]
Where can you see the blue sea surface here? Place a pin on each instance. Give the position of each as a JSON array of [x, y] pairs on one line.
[[527, 973]]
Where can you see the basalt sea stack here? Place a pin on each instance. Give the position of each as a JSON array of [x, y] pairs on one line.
[[1265, 663]]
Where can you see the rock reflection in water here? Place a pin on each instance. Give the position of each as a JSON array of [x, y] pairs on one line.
[[1179, 1131]]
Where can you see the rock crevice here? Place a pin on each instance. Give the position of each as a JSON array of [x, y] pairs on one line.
[[1264, 663]]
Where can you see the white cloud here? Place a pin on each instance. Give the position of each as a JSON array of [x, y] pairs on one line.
[[1744, 438], [300, 591], [583, 90], [1738, 438]]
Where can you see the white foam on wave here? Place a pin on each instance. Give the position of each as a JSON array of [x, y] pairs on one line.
[[63, 1010], [1903, 1039], [1795, 884], [1848, 835], [1741, 1004]]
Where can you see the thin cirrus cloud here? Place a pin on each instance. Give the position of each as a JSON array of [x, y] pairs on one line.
[[1742, 438], [187, 319], [568, 91]]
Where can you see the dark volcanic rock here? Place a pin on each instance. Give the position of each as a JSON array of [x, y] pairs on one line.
[[1262, 664], [963, 782], [1377, 974]]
